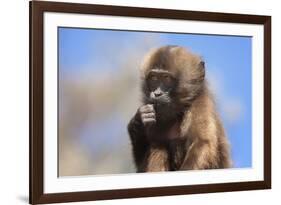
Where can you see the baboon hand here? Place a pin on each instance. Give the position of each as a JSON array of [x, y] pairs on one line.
[[147, 114]]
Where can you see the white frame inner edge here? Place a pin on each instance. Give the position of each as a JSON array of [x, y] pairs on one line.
[[55, 184]]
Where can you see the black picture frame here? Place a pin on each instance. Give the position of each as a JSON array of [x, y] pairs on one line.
[[37, 9]]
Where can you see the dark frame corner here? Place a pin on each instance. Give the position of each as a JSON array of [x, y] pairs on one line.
[[36, 10]]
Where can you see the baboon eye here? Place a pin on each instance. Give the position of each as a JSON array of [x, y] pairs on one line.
[[153, 78], [167, 79]]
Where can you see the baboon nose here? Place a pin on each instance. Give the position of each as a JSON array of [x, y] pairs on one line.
[[157, 94]]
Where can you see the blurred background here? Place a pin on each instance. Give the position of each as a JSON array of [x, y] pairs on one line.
[[99, 93]]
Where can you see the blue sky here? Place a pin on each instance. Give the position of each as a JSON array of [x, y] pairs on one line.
[[228, 65]]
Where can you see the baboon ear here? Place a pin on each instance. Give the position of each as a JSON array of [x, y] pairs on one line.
[[202, 64], [202, 68]]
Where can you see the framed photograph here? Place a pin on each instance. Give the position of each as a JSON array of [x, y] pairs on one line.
[[139, 102]]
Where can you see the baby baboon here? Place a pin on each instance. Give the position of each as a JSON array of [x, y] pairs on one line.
[[177, 127]]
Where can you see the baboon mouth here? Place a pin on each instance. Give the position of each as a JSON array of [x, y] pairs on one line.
[[161, 100]]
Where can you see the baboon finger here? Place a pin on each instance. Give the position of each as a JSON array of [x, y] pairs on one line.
[[148, 115], [146, 108]]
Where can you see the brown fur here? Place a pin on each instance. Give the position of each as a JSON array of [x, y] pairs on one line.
[[196, 139]]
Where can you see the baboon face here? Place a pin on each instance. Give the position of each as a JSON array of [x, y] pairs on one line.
[[172, 78], [161, 84], [160, 90]]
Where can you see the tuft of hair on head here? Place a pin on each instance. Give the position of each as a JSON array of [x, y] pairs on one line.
[[173, 58]]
